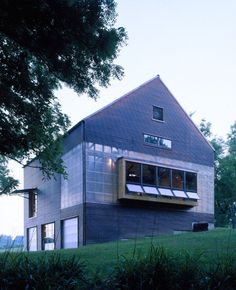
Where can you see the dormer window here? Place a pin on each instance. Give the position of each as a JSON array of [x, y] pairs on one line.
[[157, 114]]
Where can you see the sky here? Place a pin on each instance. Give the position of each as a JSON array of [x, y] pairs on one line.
[[191, 44]]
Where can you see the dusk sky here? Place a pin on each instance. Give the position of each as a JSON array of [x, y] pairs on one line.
[[190, 44]]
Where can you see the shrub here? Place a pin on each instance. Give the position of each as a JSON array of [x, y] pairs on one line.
[[50, 271]]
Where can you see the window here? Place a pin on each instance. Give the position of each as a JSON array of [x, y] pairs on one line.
[[157, 113], [133, 172], [32, 239], [134, 188], [150, 190], [70, 233], [157, 141], [48, 237], [191, 181], [164, 143], [177, 179], [148, 179], [149, 174], [32, 204], [151, 140], [164, 177]]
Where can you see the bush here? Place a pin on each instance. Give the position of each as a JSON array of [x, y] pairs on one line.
[[50, 271], [158, 269], [161, 270]]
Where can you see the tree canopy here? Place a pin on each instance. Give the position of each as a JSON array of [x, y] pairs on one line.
[[225, 173], [44, 43]]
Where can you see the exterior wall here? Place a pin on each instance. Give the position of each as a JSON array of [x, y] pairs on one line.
[[108, 219], [107, 222], [72, 187], [90, 192], [48, 203], [101, 175], [123, 124], [58, 199]]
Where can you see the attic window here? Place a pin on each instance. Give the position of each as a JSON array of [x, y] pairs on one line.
[[157, 141], [157, 113]]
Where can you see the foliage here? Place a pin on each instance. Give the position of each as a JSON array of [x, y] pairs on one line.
[[19, 271], [7, 182], [226, 180], [225, 173], [189, 261], [44, 43]]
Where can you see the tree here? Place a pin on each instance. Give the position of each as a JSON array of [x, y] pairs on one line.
[[226, 181], [42, 44]]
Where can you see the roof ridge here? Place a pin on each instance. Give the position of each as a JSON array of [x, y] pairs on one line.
[[190, 119], [118, 99]]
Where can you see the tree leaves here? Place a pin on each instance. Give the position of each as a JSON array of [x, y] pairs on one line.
[[44, 43]]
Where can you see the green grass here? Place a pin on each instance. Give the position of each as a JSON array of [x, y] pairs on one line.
[[211, 245]]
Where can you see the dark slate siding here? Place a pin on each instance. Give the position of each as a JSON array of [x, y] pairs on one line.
[[123, 123], [113, 222]]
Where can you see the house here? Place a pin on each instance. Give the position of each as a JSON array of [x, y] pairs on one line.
[[137, 167]]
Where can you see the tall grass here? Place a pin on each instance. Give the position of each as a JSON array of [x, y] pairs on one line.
[[164, 271], [142, 266], [50, 271]]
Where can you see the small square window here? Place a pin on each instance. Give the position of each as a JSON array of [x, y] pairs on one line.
[[158, 113]]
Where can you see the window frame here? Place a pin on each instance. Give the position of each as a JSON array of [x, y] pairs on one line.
[[32, 204], [27, 235], [158, 138], [170, 177], [158, 120], [185, 181], [142, 175], [62, 231], [139, 176], [42, 238]]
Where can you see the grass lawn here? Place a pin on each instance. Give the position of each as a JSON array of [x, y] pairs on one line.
[[211, 245]]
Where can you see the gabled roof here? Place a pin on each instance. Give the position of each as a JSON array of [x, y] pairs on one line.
[[123, 123], [157, 77]]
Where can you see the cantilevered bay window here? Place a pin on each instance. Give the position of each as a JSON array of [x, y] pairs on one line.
[[161, 184]]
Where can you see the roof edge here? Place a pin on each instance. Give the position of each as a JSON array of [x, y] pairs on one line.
[[188, 116], [118, 99]]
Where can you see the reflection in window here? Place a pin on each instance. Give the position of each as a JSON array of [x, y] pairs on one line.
[[177, 179], [191, 181], [70, 233], [133, 172], [164, 177], [152, 140], [32, 239], [164, 143], [157, 141], [48, 237], [32, 204], [157, 113], [149, 174]]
